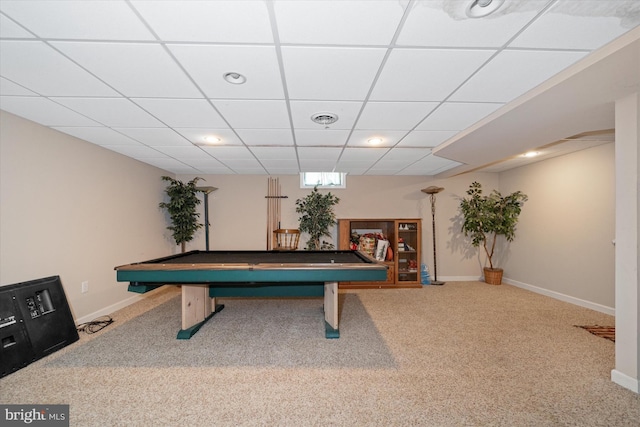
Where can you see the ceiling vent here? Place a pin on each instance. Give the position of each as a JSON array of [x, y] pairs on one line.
[[481, 8], [324, 118]]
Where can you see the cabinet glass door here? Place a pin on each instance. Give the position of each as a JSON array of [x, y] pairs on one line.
[[407, 251]]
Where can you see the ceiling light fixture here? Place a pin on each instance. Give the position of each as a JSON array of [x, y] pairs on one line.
[[211, 140], [234, 78], [481, 8], [530, 154], [375, 141], [324, 118]]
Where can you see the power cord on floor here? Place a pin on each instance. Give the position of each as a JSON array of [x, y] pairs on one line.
[[95, 325]]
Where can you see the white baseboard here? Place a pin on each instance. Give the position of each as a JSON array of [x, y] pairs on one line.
[[459, 278], [625, 381], [113, 307], [562, 297]]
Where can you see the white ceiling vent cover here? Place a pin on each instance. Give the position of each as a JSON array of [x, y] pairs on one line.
[[324, 118]]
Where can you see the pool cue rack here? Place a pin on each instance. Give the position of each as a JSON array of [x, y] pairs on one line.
[[274, 197]]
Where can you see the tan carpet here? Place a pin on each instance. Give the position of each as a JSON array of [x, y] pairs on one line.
[[464, 354]]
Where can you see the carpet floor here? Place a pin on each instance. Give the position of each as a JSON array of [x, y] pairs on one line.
[[462, 354]]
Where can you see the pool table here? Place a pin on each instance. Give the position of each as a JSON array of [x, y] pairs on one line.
[[207, 275]]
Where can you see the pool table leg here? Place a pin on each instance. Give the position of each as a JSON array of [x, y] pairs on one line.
[[331, 310], [196, 309]]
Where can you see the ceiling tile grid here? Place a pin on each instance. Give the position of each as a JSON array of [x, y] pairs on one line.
[[147, 78]]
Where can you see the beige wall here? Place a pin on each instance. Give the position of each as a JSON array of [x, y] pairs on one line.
[[73, 209], [76, 210], [564, 238], [238, 212]]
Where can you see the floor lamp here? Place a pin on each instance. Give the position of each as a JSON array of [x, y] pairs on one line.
[[432, 191], [206, 191]]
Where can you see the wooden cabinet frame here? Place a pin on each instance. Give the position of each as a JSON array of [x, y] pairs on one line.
[[404, 269]]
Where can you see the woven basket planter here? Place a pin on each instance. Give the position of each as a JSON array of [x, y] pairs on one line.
[[493, 276]]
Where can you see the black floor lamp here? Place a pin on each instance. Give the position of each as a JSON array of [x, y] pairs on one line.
[[432, 191]]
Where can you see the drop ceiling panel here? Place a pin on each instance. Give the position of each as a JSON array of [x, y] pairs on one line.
[[40, 68], [216, 170], [197, 135], [43, 111], [457, 115], [113, 112], [381, 66], [431, 24], [353, 171], [426, 138], [150, 71], [263, 114], [568, 25], [275, 153], [244, 165], [253, 137], [338, 22], [111, 20], [9, 28], [98, 135], [8, 87], [208, 21], [365, 155], [182, 112], [204, 163], [527, 69], [389, 167], [140, 152], [316, 165], [426, 74], [360, 138], [184, 152], [394, 115], [271, 164], [347, 112], [207, 64], [225, 153], [172, 164], [318, 154], [322, 73], [405, 154], [324, 137], [155, 137]]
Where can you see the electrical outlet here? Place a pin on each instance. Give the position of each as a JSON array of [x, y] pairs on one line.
[[85, 286]]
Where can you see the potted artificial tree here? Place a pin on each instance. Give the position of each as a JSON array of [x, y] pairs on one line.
[[488, 216], [316, 216], [182, 209]]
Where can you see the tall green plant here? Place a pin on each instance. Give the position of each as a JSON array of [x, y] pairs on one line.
[[487, 217], [182, 209], [316, 216]]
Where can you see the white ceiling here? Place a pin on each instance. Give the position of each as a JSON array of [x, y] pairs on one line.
[[145, 78]]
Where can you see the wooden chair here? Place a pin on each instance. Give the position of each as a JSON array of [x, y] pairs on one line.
[[286, 239]]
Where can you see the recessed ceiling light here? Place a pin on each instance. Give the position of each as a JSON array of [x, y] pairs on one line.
[[480, 8], [375, 141], [210, 140], [234, 78], [530, 154]]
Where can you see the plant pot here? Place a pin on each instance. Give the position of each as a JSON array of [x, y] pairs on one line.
[[493, 276]]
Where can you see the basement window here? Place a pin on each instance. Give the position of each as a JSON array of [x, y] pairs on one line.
[[323, 180]]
